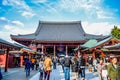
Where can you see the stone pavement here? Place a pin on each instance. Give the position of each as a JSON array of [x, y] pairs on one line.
[[17, 74], [57, 74]]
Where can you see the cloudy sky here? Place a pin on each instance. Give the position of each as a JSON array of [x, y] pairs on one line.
[[22, 16]]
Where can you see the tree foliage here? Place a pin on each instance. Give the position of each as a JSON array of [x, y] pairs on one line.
[[116, 32]]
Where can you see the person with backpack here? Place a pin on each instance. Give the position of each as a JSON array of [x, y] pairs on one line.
[[67, 62], [90, 62], [75, 67], [81, 68], [54, 60]]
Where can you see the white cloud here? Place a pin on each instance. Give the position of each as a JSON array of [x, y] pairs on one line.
[[9, 29], [18, 23], [6, 36], [4, 21], [91, 8], [20, 5], [3, 18], [27, 14], [38, 1], [102, 15], [98, 28], [16, 30]]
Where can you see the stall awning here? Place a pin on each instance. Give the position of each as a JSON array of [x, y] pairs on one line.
[[27, 50], [12, 52]]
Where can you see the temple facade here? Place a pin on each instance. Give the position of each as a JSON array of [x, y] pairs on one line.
[[56, 38]]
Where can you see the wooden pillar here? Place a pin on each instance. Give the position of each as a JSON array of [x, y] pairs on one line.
[[43, 48], [94, 57], [6, 62], [21, 60], [29, 57], [54, 50], [66, 50]]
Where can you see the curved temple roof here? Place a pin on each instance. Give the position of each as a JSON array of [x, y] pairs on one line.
[[59, 31]]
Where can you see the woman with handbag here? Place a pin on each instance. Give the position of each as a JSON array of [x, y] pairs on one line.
[[102, 70]]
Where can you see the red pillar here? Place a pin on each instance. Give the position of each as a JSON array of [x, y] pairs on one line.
[[29, 57], [42, 48], [54, 50], [6, 62], [21, 60], [66, 50]]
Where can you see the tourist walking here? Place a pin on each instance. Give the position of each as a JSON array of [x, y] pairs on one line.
[[67, 62], [81, 68], [54, 60], [61, 62], [27, 67], [37, 63], [33, 63], [41, 69], [102, 70], [114, 70], [90, 62], [75, 67], [47, 67], [95, 63]]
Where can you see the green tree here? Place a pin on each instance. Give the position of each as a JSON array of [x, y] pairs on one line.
[[116, 32]]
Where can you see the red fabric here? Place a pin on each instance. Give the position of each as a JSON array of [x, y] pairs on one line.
[[101, 68]]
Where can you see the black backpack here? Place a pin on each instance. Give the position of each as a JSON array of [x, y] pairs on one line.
[[67, 62]]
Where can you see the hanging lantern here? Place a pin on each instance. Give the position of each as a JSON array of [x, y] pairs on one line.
[[33, 46]]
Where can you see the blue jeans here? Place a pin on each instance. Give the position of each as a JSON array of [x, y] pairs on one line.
[[81, 73], [63, 68], [27, 72], [67, 73], [32, 66], [54, 65]]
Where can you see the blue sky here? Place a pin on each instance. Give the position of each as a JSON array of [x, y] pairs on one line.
[[22, 16]]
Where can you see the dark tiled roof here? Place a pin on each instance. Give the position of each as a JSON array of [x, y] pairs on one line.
[[59, 31], [8, 43]]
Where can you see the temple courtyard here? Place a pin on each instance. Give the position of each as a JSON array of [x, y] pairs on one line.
[[56, 74]]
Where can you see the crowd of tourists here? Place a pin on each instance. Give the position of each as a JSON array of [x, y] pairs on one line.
[[106, 69]]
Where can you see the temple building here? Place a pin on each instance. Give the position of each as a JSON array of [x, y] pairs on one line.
[[52, 37]]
